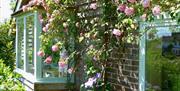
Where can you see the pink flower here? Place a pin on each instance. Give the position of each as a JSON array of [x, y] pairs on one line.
[[132, 1], [30, 3], [55, 48], [129, 11], [24, 8], [146, 3], [47, 26], [48, 60], [70, 70], [40, 53], [156, 10], [143, 17], [45, 29], [62, 64], [117, 32], [35, 2], [121, 7], [93, 6]]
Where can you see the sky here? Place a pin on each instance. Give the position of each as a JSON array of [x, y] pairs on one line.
[[5, 11]]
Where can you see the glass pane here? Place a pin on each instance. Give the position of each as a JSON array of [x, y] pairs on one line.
[[20, 27], [58, 67], [30, 43], [163, 58]]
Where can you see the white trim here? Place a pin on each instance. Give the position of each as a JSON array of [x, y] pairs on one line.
[[31, 78], [27, 76], [25, 47], [142, 45], [37, 59], [18, 5], [17, 53]]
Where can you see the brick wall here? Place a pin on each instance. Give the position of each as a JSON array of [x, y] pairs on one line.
[[122, 68]]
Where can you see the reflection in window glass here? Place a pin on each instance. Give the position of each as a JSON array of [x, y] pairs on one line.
[[163, 59], [30, 43], [20, 26], [58, 67]]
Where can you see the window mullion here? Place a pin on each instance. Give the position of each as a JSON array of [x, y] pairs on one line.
[[17, 52], [25, 47], [37, 59]]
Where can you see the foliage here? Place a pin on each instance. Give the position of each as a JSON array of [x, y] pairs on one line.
[[92, 40], [8, 79], [7, 44], [13, 4], [163, 67]]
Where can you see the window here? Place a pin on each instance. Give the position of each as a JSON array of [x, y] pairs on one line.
[[25, 41], [159, 56], [29, 64], [20, 41]]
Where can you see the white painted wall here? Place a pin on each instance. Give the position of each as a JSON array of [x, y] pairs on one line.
[[5, 11]]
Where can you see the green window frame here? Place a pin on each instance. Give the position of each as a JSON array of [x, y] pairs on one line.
[[159, 21], [38, 63]]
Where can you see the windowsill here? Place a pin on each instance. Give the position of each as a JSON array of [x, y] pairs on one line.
[[31, 78], [27, 76]]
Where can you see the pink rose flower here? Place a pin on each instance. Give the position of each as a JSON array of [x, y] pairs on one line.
[[70, 70], [129, 11], [45, 29], [24, 8], [30, 3], [156, 10], [93, 6], [143, 17], [62, 64], [121, 7], [55, 48], [35, 2], [117, 32], [48, 60], [47, 26], [40, 53], [132, 1], [146, 3]]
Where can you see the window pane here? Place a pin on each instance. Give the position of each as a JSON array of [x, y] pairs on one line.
[[20, 26], [58, 67], [163, 58], [30, 43]]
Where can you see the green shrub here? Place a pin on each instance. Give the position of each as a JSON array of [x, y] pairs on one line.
[[7, 50], [8, 79]]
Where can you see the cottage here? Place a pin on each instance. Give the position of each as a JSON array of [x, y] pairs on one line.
[[152, 64]]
